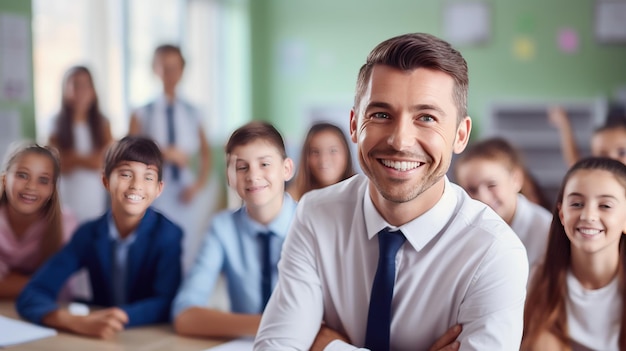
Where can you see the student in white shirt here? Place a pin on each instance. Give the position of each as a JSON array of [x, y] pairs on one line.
[[492, 171], [460, 263], [576, 297], [82, 135], [176, 126]]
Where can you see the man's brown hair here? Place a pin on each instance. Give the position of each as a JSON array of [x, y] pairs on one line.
[[418, 50]]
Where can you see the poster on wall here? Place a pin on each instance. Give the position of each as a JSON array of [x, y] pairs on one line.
[[610, 21], [15, 62], [467, 23]]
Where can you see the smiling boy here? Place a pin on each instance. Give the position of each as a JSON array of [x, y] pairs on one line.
[[245, 244], [132, 253]]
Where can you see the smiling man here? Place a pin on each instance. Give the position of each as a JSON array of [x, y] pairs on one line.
[[394, 259]]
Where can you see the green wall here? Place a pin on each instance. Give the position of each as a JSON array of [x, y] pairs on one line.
[[331, 39], [26, 109]]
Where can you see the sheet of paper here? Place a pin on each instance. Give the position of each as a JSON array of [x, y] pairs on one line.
[[16, 332], [15, 57], [243, 344]]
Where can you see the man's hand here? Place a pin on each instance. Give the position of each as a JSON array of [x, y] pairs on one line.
[[325, 336], [447, 342], [103, 324]]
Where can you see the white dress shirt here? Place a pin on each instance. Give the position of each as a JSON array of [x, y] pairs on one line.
[[531, 223], [153, 119], [187, 124], [80, 181], [461, 263], [594, 316]]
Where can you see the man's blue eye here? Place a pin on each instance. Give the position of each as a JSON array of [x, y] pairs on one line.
[[380, 115]]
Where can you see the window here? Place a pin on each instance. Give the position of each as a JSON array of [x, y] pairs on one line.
[[116, 39]]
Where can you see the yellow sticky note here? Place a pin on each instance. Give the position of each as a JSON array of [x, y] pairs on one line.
[[524, 48]]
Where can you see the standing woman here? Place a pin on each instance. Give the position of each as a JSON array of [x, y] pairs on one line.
[[325, 160], [82, 135], [576, 298]]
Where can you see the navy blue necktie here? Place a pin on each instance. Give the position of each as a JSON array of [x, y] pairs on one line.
[[379, 316], [266, 268], [171, 136]]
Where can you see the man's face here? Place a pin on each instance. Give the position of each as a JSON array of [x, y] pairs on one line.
[[168, 67], [406, 130]]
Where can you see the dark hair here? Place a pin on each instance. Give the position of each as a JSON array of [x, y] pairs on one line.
[[253, 131], [611, 125], [136, 149], [545, 305], [615, 119], [418, 50], [305, 181], [166, 49], [95, 119], [616, 114]]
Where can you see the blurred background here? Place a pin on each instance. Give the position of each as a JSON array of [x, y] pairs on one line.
[[292, 62]]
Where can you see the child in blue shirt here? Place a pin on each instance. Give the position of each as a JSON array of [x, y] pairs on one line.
[[132, 253], [243, 245]]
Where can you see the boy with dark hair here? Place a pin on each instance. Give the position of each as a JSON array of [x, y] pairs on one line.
[[245, 244], [132, 253]]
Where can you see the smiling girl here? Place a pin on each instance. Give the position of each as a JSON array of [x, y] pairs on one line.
[[32, 227], [325, 160], [576, 299]]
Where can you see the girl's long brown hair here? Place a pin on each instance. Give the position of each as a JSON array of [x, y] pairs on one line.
[[545, 303], [95, 118], [305, 181], [52, 240]]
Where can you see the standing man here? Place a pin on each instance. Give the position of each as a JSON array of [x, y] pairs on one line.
[[394, 259], [175, 124]]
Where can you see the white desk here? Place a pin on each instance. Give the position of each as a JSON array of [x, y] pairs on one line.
[[151, 338]]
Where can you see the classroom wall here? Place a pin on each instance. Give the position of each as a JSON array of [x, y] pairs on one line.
[[15, 59], [307, 53]]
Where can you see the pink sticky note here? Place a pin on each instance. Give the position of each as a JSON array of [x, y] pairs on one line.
[[567, 39]]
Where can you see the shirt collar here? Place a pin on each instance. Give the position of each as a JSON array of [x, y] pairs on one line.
[[422, 229], [114, 234], [161, 101], [279, 226]]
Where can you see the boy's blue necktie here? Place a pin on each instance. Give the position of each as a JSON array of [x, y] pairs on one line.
[[266, 268], [379, 316], [171, 136]]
